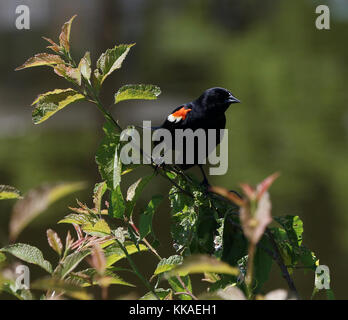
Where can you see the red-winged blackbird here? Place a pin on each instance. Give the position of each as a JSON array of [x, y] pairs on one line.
[[206, 112]]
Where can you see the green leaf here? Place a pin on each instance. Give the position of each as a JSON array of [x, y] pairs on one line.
[[114, 253], [118, 207], [98, 192], [112, 60], [330, 294], [70, 263], [201, 264], [293, 226], [98, 229], [206, 226], [134, 191], [8, 192], [61, 286], [160, 292], [235, 245], [2, 257], [85, 66], [41, 59], [54, 241], [37, 201], [28, 254], [105, 156], [137, 91], [64, 37], [145, 224], [308, 258], [80, 278], [184, 219], [290, 244], [167, 264], [178, 287], [77, 219], [117, 169], [47, 104], [12, 288], [263, 264], [231, 292]]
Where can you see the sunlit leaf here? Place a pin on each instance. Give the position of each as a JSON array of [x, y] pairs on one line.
[[114, 253], [37, 201], [179, 287], [55, 47], [28, 254], [69, 73], [85, 278], [11, 288], [137, 91], [8, 192], [161, 293], [64, 37], [76, 219], [98, 192], [47, 104], [167, 264], [85, 66], [61, 286], [2, 257], [201, 264], [293, 226], [229, 293], [54, 241], [70, 263], [99, 229], [41, 59], [112, 59]]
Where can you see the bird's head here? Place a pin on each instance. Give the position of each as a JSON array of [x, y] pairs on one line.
[[215, 99]]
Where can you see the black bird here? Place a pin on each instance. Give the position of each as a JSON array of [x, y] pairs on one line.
[[206, 112]]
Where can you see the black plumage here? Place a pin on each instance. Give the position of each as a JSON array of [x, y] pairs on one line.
[[206, 112]]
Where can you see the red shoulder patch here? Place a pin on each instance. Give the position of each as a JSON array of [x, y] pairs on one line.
[[179, 115]]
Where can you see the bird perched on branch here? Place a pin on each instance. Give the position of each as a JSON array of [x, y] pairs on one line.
[[206, 112]]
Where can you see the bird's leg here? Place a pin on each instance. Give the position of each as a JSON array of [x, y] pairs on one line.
[[205, 181]]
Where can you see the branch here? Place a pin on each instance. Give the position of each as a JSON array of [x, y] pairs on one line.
[[281, 264]]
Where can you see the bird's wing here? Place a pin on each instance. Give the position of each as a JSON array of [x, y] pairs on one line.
[[177, 117]]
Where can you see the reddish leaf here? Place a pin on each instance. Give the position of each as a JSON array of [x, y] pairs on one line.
[[265, 184], [54, 241], [98, 261], [229, 195], [64, 37], [55, 47]]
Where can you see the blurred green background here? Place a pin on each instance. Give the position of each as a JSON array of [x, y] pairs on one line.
[[290, 76]]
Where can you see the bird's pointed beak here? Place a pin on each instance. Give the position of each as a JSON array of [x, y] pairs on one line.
[[233, 99]]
